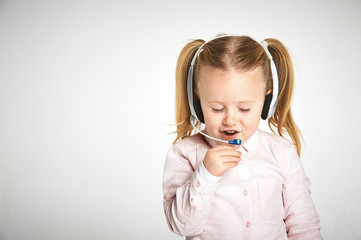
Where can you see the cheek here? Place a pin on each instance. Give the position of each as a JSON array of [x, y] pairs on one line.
[[212, 121], [252, 120], [252, 124]]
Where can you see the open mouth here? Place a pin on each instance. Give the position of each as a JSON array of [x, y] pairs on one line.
[[230, 134]]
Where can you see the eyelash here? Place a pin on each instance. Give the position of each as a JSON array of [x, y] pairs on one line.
[[221, 110], [217, 110]]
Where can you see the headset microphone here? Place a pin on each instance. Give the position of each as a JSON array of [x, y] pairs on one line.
[[234, 141]]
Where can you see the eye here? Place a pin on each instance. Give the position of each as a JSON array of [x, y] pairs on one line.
[[217, 110], [244, 109]]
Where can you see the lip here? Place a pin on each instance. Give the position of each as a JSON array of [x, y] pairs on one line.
[[229, 137]]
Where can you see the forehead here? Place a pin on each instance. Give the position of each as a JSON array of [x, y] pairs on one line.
[[221, 85]]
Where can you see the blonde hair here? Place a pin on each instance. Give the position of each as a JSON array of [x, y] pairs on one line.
[[242, 53]]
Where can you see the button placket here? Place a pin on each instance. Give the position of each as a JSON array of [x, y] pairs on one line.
[[243, 171], [243, 157]]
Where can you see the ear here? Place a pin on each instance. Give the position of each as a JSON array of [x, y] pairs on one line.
[[266, 105]]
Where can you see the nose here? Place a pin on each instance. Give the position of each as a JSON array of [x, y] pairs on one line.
[[229, 119]]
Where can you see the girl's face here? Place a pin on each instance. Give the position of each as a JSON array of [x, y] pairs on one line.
[[231, 101]]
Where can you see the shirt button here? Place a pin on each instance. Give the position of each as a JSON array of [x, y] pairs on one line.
[[198, 184], [248, 225], [245, 192]]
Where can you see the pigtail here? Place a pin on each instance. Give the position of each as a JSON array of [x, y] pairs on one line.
[[182, 111], [282, 119]]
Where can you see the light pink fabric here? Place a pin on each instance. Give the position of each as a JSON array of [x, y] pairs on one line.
[[266, 197]]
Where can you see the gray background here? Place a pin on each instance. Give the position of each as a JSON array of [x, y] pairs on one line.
[[87, 105]]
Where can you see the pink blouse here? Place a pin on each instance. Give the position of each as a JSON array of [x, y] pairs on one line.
[[266, 197]]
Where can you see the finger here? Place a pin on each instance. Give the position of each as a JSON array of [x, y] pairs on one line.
[[229, 152], [231, 159], [223, 146], [220, 146], [231, 165]]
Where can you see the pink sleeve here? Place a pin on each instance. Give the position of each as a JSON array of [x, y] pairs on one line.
[[301, 218], [187, 195]]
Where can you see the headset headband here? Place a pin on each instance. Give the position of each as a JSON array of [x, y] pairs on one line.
[[275, 80], [191, 73]]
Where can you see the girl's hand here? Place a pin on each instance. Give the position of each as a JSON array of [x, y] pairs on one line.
[[221, 158]]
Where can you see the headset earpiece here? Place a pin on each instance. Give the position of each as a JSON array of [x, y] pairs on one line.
[[266, 106], [198, 109]]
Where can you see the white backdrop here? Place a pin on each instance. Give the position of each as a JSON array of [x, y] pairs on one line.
[[87, 102]]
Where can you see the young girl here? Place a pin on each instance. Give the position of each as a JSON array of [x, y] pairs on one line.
[[214, 189]]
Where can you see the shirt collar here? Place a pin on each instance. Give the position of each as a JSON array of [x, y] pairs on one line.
[[248, 145], [251, 144]]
